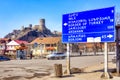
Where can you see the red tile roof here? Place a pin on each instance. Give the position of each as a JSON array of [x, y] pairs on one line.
[[6, 39], [20, 42], [47, 40]]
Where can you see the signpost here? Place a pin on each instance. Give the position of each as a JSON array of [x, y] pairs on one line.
[[89, 26], [68, 58], [106, 74]]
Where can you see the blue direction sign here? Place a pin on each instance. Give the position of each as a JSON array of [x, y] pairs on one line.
[[89, 26]]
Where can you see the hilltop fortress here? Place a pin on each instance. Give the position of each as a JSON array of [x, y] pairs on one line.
[[41, 27], [31, 32]]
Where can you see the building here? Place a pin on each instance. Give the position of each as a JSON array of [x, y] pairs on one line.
[[13, 45], [96, 47], [3, 42], [45, 45]]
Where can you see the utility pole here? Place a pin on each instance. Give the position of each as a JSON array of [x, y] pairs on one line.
[[117, 50]]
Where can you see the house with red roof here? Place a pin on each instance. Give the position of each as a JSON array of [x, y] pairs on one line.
[[14, 44]]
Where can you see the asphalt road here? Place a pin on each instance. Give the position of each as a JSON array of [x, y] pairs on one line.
[[15, 69], [80, 61]]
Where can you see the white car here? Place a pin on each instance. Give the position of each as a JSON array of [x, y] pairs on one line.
[[56, 56]]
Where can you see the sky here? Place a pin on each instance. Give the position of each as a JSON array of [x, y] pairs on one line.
[[17, 13]]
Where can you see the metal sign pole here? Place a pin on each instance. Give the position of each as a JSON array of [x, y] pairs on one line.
[[106, 74], [68, 59], [106, 59]]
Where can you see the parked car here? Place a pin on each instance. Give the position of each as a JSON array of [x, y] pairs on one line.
[[4, 58], [56, 56]]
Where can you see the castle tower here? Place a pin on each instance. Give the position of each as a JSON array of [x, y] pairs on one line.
[[42, 22], [30, 25], [42, 25]]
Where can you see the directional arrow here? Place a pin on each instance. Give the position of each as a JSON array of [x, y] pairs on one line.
[[110, 36], [65, 24]]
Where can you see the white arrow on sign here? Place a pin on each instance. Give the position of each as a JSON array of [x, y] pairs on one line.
[[110, 36], [65, 24]]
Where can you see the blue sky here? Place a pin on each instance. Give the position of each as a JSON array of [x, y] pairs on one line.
[[17, 13]]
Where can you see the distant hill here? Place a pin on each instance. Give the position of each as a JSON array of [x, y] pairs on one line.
[[31, 32]]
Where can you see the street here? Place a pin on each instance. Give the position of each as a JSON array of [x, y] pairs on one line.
[[44, 67]]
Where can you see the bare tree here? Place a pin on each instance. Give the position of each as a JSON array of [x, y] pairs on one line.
[[95, 48], [61, 47], [117, 18], [75, 47], [4, 42]]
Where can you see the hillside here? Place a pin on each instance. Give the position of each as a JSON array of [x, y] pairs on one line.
[[31, 32]]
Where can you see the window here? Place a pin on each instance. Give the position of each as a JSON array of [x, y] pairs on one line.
[[47, 45]]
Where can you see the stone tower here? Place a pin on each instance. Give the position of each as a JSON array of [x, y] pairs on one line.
[[30, 25], [42, 26]]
